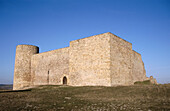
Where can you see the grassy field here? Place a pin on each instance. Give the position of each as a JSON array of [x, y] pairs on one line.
[[67, 98]]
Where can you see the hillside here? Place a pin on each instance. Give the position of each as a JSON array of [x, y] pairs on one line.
[[6, 86], [137, 97]]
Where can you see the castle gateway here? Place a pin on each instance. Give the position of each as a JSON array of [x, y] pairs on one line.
[[100, 60]]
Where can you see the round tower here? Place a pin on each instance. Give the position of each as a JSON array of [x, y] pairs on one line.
[[22, 71]]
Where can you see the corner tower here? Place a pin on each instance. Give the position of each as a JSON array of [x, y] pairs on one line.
[[22, 71]]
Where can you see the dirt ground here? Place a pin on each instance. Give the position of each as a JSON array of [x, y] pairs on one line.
[[67, 98]]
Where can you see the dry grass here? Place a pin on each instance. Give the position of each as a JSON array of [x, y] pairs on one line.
[[137, 97]]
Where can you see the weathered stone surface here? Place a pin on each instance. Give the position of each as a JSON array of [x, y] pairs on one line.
[[153, 80], [89, 62], [138, 69], [50, 67], [99, 60], [22, 72], [121, 65]]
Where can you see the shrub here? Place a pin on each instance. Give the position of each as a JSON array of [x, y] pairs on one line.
[[146, 82]]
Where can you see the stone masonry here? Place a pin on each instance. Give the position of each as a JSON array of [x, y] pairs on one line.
[[99, 60]]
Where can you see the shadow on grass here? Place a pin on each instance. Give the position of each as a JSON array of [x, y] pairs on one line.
[[7, 91]]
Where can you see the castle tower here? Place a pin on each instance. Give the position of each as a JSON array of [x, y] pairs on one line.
[[22, 71]]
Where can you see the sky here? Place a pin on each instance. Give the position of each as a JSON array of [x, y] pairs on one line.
[[51, 24]]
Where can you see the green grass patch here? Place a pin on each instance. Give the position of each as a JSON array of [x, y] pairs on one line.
[[146, 82]]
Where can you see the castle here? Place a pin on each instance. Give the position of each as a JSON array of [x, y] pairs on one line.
[[99, 60]]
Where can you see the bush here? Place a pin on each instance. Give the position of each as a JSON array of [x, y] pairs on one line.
[[146, 82]]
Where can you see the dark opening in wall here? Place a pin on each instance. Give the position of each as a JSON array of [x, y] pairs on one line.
[[64, 80], [48, 77]]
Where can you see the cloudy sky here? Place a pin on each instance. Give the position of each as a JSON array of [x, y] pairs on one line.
[[51, 24]]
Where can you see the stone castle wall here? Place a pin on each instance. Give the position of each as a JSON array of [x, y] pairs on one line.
[[22, 71], [138, 69], [100, 60], [121, 66], [50, 67], [89, 62]]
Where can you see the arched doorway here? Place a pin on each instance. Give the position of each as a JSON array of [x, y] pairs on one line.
[[64, 80]]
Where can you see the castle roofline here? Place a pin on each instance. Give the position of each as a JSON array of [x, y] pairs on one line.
[[26, 45], [51, 51], [119, 37], [136, 52], [89, 37], [101, 34]]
